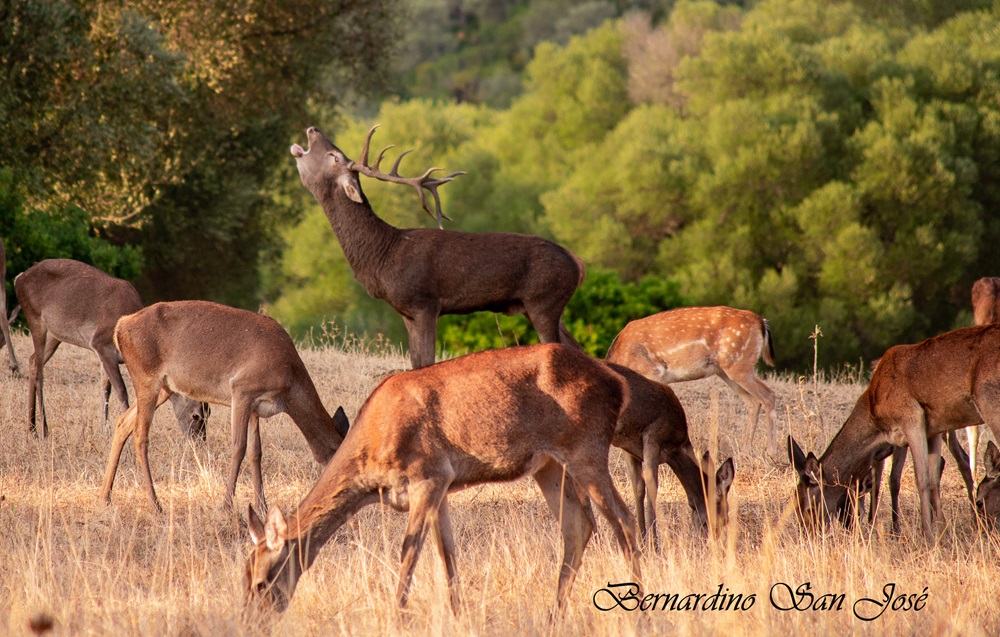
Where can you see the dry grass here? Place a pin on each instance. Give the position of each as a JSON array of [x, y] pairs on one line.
[[125, 570]]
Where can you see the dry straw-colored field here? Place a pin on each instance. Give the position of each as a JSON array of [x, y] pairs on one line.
[[126, 570]]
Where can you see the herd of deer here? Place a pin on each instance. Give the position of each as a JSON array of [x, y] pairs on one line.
[[549, 411]]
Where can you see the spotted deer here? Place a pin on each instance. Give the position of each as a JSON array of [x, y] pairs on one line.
[[653, 430], [425, 273], [223, 356], [547, 411], [65, 301], [4, 322], [916, 393], [697, 342]]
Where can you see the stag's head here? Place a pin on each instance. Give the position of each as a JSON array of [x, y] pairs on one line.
[[716, 494], [192, 417], [988, 492], [817, 502], [324, 166], [271, 573]]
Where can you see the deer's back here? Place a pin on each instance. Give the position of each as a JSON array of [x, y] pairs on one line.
[[73, 300], [202, 348], [470, 271], [493, 414], [651, 405]]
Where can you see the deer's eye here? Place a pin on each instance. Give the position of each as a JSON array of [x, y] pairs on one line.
[[333, 155], [261, 588]]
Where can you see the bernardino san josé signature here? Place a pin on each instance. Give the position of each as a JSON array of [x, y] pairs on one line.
[[626, 596]]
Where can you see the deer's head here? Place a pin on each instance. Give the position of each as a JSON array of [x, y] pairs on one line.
[[988, 492], [271, 571], [324, 165], [716, 496], [816, 502], [192, 417]]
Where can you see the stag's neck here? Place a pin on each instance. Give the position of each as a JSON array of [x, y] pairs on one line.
[[366, 240], [340, 492]]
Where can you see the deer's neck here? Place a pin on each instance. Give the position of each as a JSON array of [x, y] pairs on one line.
[[849, 456], [338, 495], [366, 240]]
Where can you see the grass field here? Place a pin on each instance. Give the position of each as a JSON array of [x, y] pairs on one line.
[[126, 570]]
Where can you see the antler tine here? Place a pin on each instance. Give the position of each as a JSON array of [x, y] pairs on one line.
[[395, 167], [378, 160], [368, 141]]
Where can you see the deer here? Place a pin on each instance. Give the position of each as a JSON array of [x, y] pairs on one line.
[[985, 304], [545, 410], [916, 393], [66, 301], [222, 356], [691, 343], [424, 273], [988, 491], [4, 321], [652, 430]]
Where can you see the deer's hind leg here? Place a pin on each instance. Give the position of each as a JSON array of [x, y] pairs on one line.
[[446, 549], [425, 498], [576, 520]]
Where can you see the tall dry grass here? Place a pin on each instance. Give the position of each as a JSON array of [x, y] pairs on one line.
[[125, 570]]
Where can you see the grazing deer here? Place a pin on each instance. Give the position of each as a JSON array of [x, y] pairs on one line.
[[4, 324], [696, 342], [652, 430], [547, 411], [985, 306], [988, 492], [916, 393], [425, 273], [224, 356], [72, 302], [895, 477]]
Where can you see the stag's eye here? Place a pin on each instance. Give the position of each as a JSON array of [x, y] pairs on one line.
[[261, 588], [332, 154]]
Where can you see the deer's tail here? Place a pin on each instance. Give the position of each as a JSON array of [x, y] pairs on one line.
[[768, 349]]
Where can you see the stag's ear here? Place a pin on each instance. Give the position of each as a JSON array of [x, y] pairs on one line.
[[795, 455], [992, 461], [724, 477], [810, 470], [255, 525], [349, 182], [275, 530], [341, 422]]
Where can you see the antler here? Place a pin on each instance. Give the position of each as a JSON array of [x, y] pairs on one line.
[[421, 183]]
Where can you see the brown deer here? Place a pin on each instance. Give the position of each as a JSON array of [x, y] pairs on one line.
[[425, 273], [988, 492], [72, 302], [652, 430], [916, 393], [548, 411], [224, 356], [985, 303], [4, 324], [697, 342]]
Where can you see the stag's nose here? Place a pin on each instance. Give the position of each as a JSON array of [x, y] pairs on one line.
[[311, 130]]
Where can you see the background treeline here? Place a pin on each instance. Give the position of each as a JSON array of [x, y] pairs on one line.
[[831, 163]]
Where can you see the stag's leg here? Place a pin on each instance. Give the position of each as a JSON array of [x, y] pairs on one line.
[[36, 377], [964, 467], [895, 479], [446, 549], [145, 408], [935, 468], [973, 434], [877, 468], [650, 475], [255, 456], [576, 520], [421, 332], [5, 327], [425, 500], [566, 338], [633, 466], [113, 378], [757, 396], [546, 320], [917, 441], [241, 412]]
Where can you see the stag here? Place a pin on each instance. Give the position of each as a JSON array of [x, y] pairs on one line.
[[224, 356], [652, 430], [697, 342], [985, 305], [72, 302], [425, 273], [547, 411], [4, 323], [916, 393]]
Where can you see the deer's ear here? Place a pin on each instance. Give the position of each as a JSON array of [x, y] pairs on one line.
[[349, 182], [341, 422], [724, 477], [992, 460], [255, 526], [275, 530]]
